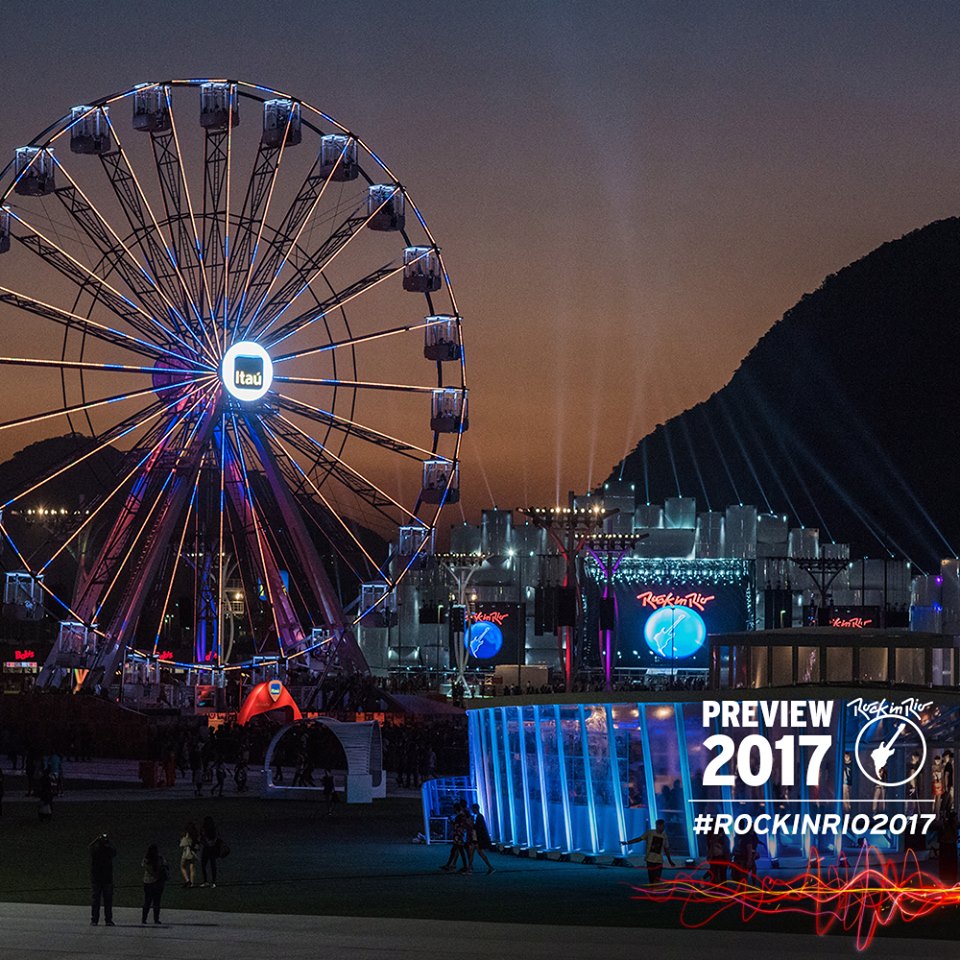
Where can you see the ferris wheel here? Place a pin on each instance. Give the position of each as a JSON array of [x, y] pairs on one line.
[[236, 357]]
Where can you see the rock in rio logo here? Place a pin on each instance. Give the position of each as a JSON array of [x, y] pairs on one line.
[[890, 727]]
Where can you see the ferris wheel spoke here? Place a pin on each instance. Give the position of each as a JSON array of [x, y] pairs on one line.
[[108, 438], [91, 328], [360, 339], [260, 282], [142, 520], [199, 251], [152, 451], [353, 428], [176, 562], [314, 265], [251, 523], [91, 365], [250, 224], [183, 238], [218, 633], [101, 234], [336, 465], [339, 300], [352, 384], [92, 404], [278, 446], [143, 221], [88, 281], [304, 274]]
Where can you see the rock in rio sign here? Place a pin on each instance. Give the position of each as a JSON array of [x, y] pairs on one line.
[[694, 600]]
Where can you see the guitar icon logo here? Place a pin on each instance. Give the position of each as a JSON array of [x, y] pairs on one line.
[[881, 754], [875, 768]]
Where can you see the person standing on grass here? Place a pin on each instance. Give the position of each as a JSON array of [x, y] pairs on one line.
[[102, 853], [657, 849], [209, 851], [189, 843], [155, 873]]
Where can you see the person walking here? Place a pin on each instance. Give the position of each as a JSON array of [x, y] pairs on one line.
[[155, 873], [329, 791], [209, 851], [189, 844], [45, 798], [102, 853], [196, 771], [657, 849], [480, 839], [458, 848], [220, 772]]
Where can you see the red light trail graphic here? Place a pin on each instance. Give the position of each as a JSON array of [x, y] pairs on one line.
[[857, 899]]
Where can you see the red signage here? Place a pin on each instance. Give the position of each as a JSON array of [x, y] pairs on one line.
[[164, 654], [854, 623], [696, 601], [24, 655], [494, 616]]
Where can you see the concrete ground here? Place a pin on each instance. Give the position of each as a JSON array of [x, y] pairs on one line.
[[35, 932]]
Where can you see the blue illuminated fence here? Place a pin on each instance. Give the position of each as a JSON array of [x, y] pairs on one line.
[[438, 798]]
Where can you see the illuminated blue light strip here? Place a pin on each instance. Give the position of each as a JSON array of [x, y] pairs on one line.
[[483, 795], [525, 780], [615, 776], [509, 771], [562, 764], [588, 780], [648, 767], [544, 796], [692, 846], [476, 752], [498, 787]]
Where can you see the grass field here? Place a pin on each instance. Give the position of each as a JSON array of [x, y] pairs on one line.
[[288, 857]]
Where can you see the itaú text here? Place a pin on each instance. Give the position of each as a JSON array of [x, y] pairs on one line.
[[769, 713]]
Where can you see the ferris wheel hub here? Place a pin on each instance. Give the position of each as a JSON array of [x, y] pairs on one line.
[[246, 371]]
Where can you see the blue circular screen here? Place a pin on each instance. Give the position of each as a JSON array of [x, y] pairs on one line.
[[483, 639], [675, 633]]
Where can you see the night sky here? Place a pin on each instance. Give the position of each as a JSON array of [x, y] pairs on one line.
[[627, 195]]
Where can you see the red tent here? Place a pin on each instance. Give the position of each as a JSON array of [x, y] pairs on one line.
[[264, 697]]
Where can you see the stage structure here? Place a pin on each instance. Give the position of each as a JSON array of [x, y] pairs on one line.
[[248, 335], [569, 528]]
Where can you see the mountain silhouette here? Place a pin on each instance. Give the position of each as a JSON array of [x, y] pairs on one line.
[[843, 416]]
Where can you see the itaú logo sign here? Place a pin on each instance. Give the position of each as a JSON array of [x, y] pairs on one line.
[[246, 371], [696, 601]]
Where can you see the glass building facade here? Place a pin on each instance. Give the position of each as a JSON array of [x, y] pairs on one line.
[[587, 776]]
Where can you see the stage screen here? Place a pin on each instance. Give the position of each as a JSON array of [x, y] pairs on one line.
[[663, 621], [496, 633]]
